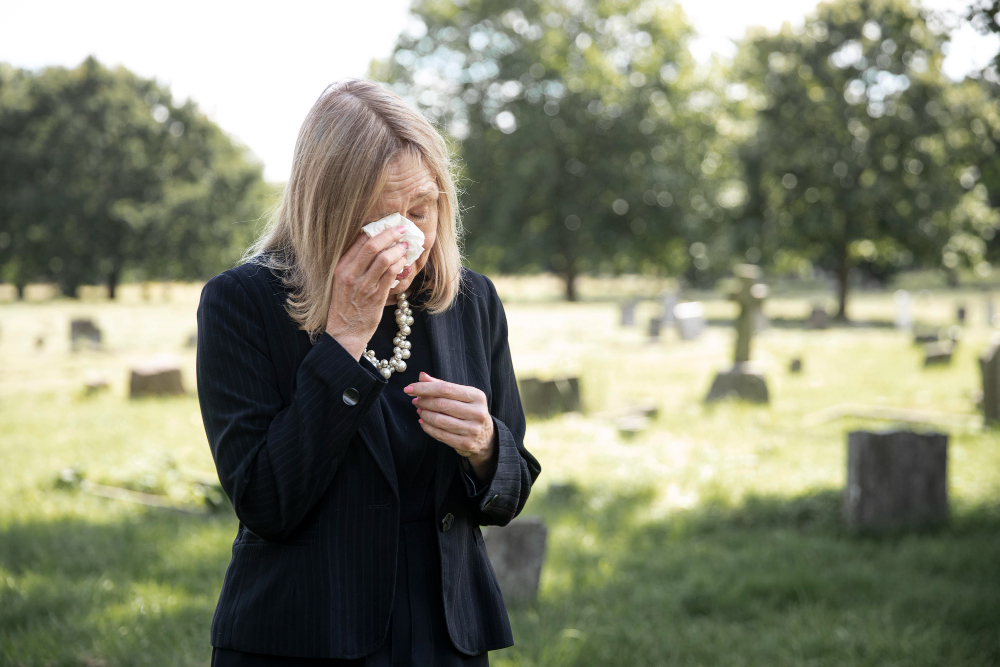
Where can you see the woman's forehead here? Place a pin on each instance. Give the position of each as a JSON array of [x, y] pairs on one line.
[[409, 179]]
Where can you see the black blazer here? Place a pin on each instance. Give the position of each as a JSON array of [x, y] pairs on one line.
[[301, 448]]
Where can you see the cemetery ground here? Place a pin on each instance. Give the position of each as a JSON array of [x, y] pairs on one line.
[[710, 538]]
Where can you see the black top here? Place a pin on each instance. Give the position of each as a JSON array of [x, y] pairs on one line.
[[413, 451]]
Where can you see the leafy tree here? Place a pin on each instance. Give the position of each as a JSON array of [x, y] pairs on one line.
[[863, 149], [104, 173], [584, 141]]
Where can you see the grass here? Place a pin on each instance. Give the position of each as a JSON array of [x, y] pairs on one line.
[[710, 539]]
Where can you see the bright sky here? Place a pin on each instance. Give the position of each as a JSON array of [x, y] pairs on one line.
[[256, 69]]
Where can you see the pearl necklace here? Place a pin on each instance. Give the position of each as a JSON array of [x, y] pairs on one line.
[[401, 346]]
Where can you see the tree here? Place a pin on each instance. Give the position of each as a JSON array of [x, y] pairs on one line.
[[862, 152], [105, 174], [584, 142]]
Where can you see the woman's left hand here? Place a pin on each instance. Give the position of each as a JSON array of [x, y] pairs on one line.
[[456, 415]]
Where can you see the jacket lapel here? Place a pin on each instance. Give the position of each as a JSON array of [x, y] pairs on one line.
[[448, 362]]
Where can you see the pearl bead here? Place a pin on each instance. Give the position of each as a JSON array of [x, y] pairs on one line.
[[386, 373], [401, 366], [399, 312], [397, 353], [405, 345], [405, 330], [396, 341], [409, 320], [405, 354]]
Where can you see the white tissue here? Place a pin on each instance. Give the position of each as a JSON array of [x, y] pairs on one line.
[[412, 235]]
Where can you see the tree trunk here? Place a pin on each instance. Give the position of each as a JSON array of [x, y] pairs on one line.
[[20, 290], [842, 276], [112, 284], [570, 277]]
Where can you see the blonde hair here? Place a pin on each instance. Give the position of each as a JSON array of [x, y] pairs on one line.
[[340, 168]]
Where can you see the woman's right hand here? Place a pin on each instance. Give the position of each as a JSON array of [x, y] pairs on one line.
[[361, 287]]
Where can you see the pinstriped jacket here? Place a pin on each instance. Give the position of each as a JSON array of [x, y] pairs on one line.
[[306, 463]]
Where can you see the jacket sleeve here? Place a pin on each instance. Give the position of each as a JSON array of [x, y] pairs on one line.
[[516, 469], [275, 458]]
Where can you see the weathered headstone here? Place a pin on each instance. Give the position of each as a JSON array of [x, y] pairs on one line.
[[517, 553], [84, 331], [631, 425], [896, 479], [654, 328], [795, 366], [938, 354], [667, 301], [690, 319], [157, 377], [989, 368], [548, 397], [628, 313], [740, 381], [818, 318], [926, 334], [904, 315], [960, 314]]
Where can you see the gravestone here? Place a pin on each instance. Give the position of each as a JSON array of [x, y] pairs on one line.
[[157, 377], [84, 331], [960, 314], [818, 318], [923, 333], [654, 329], [517, 553], [795, 366], [904, 315], [938, 354], [544, 398], [740, 381], [95, 382], [631, 425], [668, 300], [896, 479], [192, 340], [39, 342], [989, 369], [628, 314], [690, 319]]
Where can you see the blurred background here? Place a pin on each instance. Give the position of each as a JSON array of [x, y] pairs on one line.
[[746, 252]]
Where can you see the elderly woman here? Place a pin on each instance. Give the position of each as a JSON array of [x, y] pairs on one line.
[[362, 413]]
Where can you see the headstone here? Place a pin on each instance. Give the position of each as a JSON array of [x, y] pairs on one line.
[[938, 354], [690, 319], [896, 479], [668, 300], [39, 342], [628, 314], [632, 425], [95, 382], [960, 314], [544, 398], [740, 381], [904, 316], [654, 329], [517, 553], [926, 334], [989, 369], [84, 331], [795, 366], [818, 318], [157, 377], [192, 340]]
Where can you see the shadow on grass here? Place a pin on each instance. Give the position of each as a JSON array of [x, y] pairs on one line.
[[138, 590], [772, 581]]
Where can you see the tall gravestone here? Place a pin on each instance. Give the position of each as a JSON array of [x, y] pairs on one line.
[[628, 314], [84, 331], [740, 381], [896, 479], [668, 300], [654, 328], [517, 553], [989, 368], [904, 315], [690, 319]]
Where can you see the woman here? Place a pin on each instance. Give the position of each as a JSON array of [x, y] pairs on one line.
[[360, 496]]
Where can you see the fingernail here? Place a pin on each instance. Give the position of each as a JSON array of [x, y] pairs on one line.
[[421, 421], [414, 401], [408, 388], [418, 411], [405, 244], [400, 229]]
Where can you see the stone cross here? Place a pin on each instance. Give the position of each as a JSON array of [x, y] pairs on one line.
[[750, 294]]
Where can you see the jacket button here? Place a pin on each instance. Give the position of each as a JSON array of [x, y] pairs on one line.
[[351, 396], [446, 522], [490, 501]]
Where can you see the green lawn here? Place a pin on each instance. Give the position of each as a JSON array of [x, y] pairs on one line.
[[710, 539]]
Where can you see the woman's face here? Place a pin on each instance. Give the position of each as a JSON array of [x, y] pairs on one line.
[[412, 192]]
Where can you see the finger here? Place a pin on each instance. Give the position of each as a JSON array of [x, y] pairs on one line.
[[448, 423], [450, 439], [386, 265], [448, 406], [375, 245], [352, 250], [456, 392]]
